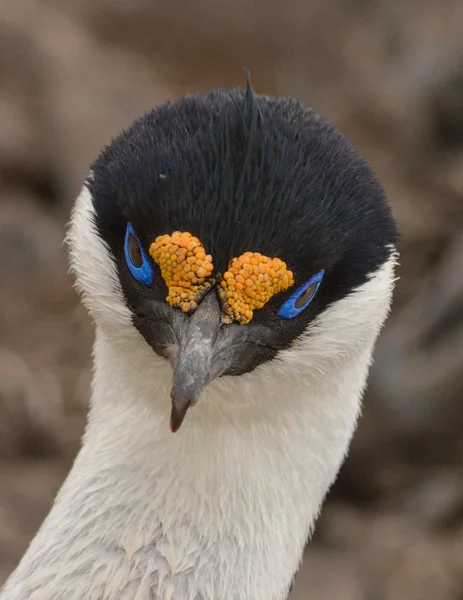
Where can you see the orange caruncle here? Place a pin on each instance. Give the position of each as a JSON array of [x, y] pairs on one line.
[[185, 267], [250, 282]]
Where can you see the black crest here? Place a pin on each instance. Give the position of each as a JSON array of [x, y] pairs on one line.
[[245, 172]]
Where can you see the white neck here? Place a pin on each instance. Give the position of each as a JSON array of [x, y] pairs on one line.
[[221, 509]]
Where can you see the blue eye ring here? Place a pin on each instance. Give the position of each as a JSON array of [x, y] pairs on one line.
[[136, 258], [288, 309]]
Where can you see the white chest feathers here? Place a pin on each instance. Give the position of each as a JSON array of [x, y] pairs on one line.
[[222, 509]]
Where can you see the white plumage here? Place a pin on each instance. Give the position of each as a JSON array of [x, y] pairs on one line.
[[222, 509]]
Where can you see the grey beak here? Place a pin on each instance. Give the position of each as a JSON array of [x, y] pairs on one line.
[[192, 366], [200, 349]]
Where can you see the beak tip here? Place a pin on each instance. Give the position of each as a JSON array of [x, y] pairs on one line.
[[177, 415], [174, 427]]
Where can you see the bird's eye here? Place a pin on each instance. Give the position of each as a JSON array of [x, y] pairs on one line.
[[301, 298], [138, 262]]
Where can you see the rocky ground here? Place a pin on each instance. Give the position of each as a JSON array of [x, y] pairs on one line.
[[390, 75]]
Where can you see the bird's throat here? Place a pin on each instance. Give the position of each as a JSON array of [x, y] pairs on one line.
[[222, 509]]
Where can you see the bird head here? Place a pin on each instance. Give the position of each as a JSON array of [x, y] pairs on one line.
[[232, 230]]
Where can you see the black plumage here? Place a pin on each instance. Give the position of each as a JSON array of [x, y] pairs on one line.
[[246, 172]]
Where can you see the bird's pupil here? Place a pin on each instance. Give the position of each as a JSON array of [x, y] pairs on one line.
[[305, 296], [135, 252]]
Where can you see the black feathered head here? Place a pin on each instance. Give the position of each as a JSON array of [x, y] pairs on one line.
[[242, 175]]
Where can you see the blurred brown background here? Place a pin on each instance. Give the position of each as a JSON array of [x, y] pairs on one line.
[[389, 74]]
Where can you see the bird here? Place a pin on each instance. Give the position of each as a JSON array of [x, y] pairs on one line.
[[236, 254]]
